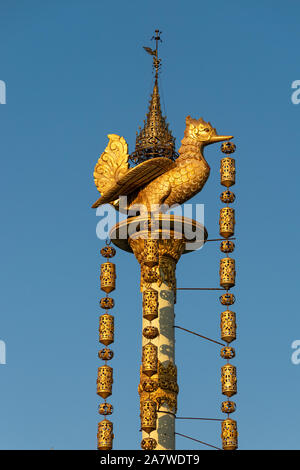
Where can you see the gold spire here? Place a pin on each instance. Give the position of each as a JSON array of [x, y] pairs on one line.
[[155, 139]]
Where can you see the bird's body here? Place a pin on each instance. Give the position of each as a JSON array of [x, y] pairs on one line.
[[182, 181], [158, 181]]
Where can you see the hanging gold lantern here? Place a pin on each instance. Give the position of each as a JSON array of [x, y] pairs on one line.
[[228, 147], [227, 352], [148, 415], [149, 274], [150, 332], [227, 171], [227, 246], [229, 434], [105, 435], [104, 381], [227, 222], [228, 407], [150, 304], [227, 197], [150, 254], [227, 272], [105, 409], [107, 302], [149, 359], [228, 380], [106, 329], [108, 251], [108, 277], [148, 443], [228, 326], [227, 299], [105, 354]]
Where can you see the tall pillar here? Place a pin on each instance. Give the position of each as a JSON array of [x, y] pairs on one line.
[[158, 386], [161, 278]]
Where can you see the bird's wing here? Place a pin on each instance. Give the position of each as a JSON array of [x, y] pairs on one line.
[[135, 178], [112, 164]]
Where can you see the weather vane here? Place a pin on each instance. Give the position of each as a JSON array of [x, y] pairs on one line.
[[154, 53]]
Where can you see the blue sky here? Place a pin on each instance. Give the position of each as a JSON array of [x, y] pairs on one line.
[[76, 71]]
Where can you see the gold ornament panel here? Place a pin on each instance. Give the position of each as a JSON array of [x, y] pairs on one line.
[[166, 390], [229, 434], [228, 380], [226, 222], [105, 435]]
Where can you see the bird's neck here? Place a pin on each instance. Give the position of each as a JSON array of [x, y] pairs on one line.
[[190, 148]]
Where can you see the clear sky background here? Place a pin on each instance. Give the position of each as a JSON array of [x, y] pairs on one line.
[[76, 71]]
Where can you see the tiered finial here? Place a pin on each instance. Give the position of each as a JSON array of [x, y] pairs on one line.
[[155, 139]]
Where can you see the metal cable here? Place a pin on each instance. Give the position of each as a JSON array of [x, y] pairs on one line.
[[197, 440], [197, 334]]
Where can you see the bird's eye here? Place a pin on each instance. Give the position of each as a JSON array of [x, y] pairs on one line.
[[206, 130]]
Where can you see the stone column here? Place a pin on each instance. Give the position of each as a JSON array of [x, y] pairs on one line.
[[163, 384], [158, 387]]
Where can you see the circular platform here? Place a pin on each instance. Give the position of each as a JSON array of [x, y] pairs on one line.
[[161, 227]]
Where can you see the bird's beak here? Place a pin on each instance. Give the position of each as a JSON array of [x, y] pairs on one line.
[[220, 138]]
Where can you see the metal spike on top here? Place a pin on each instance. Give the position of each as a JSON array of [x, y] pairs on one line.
[[155, 139]]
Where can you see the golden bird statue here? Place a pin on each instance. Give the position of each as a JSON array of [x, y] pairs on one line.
[[162, 177]]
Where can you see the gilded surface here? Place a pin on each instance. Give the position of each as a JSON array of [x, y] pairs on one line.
[[108, 251], [149, 359], [227, 299], [105, 409], [104, 381], [105, 354], [228, 147], [151, 254], [171, 247], [155, 138], [228, 406], [106, 329], [113, 163], [227, 222], [150, 304], [105, 435], [107, 302], [229, 434], [108, 277], [150, 332], [227, 246], [228, 326], [148, 443], [227, 352], [167, 388], [148, 415], [180, 180], [227, 171], [227, 197], [228, 380], [227, 272], [164, 272]]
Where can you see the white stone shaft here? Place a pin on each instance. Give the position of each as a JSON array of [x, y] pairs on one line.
[[165, 342]]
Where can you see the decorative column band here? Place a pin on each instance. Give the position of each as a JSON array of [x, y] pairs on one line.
[[161, 387], [158, 387]]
